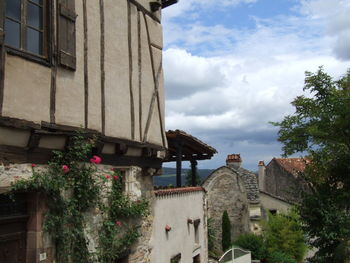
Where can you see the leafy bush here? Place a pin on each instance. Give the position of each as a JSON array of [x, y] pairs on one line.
[[253, 243], [226, 231], [281, 257], [283, 233]]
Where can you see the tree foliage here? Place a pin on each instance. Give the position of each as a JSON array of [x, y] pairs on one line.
[[320, 127], [283, 234], [189, 178], [226, 231], [254, 243]]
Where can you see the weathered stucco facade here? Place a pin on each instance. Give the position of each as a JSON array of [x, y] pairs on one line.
[[98, 68], [180, 226]]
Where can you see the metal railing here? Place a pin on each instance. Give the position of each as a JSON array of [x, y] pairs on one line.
[[236, 255]]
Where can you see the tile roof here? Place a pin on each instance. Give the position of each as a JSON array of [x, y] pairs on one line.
[[192, 147], [181, 190], [293, 165]]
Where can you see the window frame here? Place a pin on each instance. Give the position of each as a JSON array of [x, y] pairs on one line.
[[45, 59]]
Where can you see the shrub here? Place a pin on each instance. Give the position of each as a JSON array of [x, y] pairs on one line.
[[281, 257], [283, 233], [226, 231], [253, 243]]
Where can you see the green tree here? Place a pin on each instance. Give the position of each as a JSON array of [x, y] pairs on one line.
[[281, 257], [283, 234], [253, 243], [226, 232], [320, 128], [189, 178]]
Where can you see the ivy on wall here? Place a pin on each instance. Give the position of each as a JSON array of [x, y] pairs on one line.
[[73, 187]]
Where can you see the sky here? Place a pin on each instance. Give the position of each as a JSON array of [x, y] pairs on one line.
[[233, 66]]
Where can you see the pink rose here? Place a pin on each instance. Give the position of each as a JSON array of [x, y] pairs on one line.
[[65, 168], [118, 223], [108, 176], [167, 228], [95, 159], [115, 177], [33, 165]]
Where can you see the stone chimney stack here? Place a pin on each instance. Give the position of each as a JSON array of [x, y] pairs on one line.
[[234, 160], [261, 175]]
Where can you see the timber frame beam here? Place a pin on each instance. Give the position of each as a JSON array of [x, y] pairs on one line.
[[117, 155]]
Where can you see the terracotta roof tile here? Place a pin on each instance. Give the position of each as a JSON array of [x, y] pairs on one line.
[[181, 190], [293, 165]]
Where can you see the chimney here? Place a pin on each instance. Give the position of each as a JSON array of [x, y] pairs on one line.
[[261, 175], [234, 160]]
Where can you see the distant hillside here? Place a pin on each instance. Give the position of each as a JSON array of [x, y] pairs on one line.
[[168, 176]]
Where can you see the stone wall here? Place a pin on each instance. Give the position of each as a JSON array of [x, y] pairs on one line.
[[226, 191], [137, 184], [281, 183]]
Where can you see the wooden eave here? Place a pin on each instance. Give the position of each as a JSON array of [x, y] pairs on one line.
[[32, 153], [166, 3], [192, 147]]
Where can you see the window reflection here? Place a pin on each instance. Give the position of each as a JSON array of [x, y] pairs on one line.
[[12, 39], [34, 41], [35, 16], [25, 25], [13, 9]]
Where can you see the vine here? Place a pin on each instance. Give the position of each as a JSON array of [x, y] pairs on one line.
[[73, 187]]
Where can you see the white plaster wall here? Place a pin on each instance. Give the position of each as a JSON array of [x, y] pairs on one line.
[[174, 210], [135, 70], [268, 203], [70, 84], [117, 93], [27, 90], [155, 133], [94, 64]]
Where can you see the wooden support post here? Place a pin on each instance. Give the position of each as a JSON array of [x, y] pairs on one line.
[[178, 163], [194, 172]]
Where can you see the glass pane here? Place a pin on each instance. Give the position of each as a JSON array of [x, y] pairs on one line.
[[13, 9], [34, 41], [12, 33], [35, 16]]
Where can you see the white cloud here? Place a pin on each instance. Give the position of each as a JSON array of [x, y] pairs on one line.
[[188, 6], [187, 74], [238, 81], [334, 15]]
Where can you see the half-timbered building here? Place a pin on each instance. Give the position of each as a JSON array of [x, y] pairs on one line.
[[68, 65]]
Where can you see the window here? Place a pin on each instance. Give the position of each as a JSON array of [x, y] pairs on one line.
[[26, 26], [196, 230]]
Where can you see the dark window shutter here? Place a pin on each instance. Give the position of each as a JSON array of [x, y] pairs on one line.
[[66, 34]]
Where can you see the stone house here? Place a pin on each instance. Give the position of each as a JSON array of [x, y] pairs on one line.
[[234, 189], [281, 178], [68, 65]]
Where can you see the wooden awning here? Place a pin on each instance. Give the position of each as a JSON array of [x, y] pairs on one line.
[[192, 147], [185, 147]]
